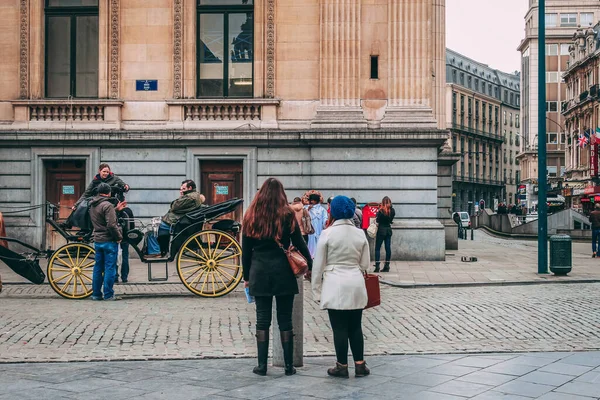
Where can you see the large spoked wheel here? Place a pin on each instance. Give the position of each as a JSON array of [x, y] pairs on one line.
[[210, 263], [70, 270]]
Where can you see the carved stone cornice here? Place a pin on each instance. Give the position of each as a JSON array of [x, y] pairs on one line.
[[24, 49], [114, 50], [177, 49], [270, 50]]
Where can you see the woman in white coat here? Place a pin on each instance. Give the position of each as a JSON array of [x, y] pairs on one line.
[[337, 282]]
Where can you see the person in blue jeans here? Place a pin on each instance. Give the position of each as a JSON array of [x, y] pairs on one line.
[[107, 236], [384, 219], [595, 221], [189, 199]]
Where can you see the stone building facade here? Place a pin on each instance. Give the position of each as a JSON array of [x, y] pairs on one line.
[[581, 113], [343, 96], [482, 117], [562, 20]]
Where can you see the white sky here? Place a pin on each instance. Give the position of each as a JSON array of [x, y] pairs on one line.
[[487, 31]]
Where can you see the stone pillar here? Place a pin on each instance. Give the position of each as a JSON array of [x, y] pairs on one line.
[[410, 54], [340, 65], [446, 160], [298, 324], [438, 27]]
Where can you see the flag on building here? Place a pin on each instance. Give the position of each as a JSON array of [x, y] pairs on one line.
[[597, 134], [586, 133], [582, 142]]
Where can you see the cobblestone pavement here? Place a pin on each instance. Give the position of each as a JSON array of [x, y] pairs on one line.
[[544, 376], [428, 320]]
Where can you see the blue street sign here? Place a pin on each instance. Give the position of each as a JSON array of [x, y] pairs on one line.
[[146, 85]]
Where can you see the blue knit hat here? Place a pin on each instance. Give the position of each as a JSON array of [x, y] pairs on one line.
[[342, 208]]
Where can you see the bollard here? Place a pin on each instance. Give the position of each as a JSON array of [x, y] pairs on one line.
[[471, 233], [297, 323]]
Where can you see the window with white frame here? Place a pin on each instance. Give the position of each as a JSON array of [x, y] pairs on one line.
[[551, 20], [552, 49], [564, 49], [551, 170], [552, 77], [586, 19], [568, 19], [552, 138], [551, 106]]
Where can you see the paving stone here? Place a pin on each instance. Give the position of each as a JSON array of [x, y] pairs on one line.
[[180, 392], [486, 378], [589, 377], [546, 378], [476, 361], [585, 359], [524, 388], [425, 379], [460, 388], [580, 389], [392, 388], [493, 395], [510, 368], [563, 396], [452, 370], [565, 369]]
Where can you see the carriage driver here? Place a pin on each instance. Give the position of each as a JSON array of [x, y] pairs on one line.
[[189, 199]]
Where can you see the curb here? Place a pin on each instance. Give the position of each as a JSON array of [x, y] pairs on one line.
[[476, 284]]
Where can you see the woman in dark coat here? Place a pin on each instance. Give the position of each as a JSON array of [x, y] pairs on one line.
[[384, 219], [268, 224]]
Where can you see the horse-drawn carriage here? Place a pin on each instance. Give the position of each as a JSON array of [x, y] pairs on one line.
[[208, 259]]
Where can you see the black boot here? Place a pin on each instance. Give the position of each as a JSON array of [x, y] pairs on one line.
[[386, 267], [376, 267], [262, 345], [287, 342]]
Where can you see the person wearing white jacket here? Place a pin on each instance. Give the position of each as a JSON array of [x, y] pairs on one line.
[[341, 257]]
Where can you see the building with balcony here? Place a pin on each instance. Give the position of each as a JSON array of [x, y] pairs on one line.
[[482, 106], [580, 111], [346, 97], [562, 20]]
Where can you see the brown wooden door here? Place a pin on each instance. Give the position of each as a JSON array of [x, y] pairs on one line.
[[65, 183], [222, 181]]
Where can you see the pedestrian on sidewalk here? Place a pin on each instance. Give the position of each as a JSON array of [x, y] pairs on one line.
[[269, 227], [303, 218], [318, 218], [107, 236], [384, 219], [357, 218], [338, 284], [595, 221]]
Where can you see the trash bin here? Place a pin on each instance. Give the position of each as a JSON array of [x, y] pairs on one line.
[[560, 254]]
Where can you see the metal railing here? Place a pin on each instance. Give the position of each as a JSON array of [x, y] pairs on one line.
[[477, 132]]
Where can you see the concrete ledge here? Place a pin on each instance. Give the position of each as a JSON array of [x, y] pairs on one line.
[[415, 240]]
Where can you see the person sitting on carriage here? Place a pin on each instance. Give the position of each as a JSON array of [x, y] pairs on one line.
[[189, 199], [104, 175]]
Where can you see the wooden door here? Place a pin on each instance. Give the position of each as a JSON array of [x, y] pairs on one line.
[[65, 183], [222, 181]]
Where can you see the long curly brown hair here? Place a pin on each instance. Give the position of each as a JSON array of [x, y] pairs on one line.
[[269, 213], [385, 206]]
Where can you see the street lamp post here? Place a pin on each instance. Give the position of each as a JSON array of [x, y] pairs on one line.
[[542, 193]]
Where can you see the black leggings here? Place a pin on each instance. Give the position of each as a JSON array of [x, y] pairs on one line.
[[387, 239], [264, 307], [347, 326]]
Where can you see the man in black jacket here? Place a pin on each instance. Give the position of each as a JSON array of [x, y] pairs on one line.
[[107, 236]]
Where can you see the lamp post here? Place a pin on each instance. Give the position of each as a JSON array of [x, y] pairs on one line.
[[542, 193]]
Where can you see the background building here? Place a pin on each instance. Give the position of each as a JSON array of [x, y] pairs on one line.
[[482, 114], [562, 19], [343, 97], [582, 118]]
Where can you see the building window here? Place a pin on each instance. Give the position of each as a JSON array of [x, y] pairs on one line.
[[72, 48], [551, 20], [517, 123], [552, 77], [469, 82], [225, 48], [510, 117], [551, 49], [564, 49], [477, 85], [586, 19], [454, 76], [568, 19], [552, 138], [504, 117], [551, 106], [518, 100], [374, 67], [462, 78], [490, 89], [562, 138]]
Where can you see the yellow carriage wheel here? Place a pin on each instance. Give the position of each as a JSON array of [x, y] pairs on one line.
[[70, 270], [210, 263]]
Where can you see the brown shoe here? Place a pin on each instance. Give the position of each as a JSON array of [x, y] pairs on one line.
[[361, 370], [339, 371]]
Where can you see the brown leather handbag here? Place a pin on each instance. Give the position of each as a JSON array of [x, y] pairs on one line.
[[373, 293], [297, 262]]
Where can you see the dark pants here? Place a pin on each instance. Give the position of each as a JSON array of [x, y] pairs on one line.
[[595, 238], [387, 239], [347, 327], [264, 307], [124, 261]]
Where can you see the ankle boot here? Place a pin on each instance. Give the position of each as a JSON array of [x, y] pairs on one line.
[[262, 345], [287, 343], [376, 267], [339, 371], [361, 370], [386, 267]]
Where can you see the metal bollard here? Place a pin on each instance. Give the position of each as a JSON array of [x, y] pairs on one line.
[[298, 325], [472, 233]]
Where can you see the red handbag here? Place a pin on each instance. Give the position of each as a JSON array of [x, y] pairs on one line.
[[373, 293]]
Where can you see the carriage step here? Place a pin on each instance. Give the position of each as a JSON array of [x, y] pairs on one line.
[[158, 279]]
